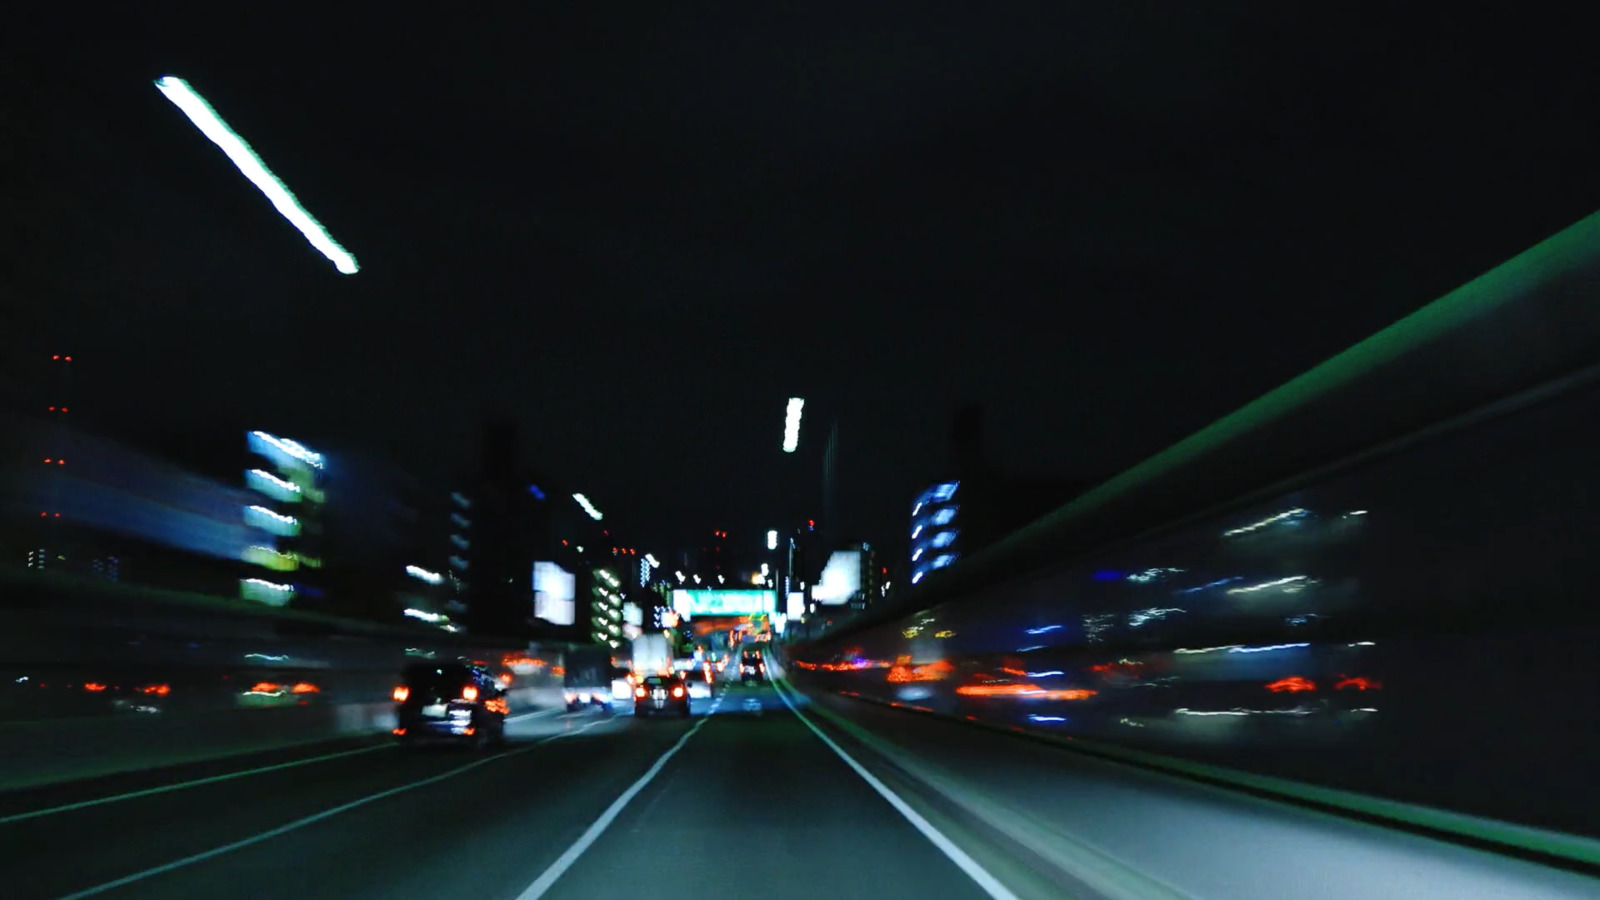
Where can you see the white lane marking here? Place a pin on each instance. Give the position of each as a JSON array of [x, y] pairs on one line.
[[309, 820], [227, 776], [165, 788], [587, 839], [538, 713], [965, 863]]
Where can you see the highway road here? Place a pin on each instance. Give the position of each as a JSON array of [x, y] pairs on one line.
[[579, 805], [745, 795]]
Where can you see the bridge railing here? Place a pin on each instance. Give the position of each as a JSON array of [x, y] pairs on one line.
[[1375, 578]]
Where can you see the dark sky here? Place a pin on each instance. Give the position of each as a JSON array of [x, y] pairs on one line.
[[639, 228]]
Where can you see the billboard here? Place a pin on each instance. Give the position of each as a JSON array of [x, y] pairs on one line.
[[723, 603], [555, 592], [841, 579]]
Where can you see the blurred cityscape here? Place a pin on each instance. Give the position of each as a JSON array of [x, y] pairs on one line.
[[498, 548]]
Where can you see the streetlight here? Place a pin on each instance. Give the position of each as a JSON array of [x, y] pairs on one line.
[[239, 153], [588, 507], [791, 424], [772, 540]]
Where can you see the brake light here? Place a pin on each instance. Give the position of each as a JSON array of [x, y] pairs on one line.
[[638, 692], [677, 692], [401, 693], [469, 693]]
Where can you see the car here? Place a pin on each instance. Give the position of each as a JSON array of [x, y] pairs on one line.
[[752, 668], [454, 702], [661, 694]]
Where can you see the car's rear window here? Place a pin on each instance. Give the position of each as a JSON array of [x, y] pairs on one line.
[[449, 678]]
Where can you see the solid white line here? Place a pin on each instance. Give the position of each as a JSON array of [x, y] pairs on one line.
[[587, 839], [538, 713], [308, 820], [212, 779], [965, 863]]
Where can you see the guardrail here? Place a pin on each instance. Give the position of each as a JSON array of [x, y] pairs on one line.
[[97, 679], [1373, 580]]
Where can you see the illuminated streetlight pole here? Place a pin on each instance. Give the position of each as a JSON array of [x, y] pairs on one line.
[[791, 424]]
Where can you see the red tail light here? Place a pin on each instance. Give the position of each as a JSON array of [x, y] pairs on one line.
[[638, 692], [469, 693], [677, 692], [401, 693]]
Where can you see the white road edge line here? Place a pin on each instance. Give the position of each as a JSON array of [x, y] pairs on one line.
[[308, 820], [965, 863], [165, 788], [564, 862]]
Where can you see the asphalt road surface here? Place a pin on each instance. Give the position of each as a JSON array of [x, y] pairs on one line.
[[744, 796], [749, 793]]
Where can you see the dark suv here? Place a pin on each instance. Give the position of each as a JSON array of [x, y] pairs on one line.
[[450, 701]]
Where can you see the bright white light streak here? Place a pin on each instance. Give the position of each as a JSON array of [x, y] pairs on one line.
[[791, 424], [422, 574], [269, 585], [652, 561], [1267, 649], [588, 507], [1277, 582], [772, 540], [211, 125], [275, 481]]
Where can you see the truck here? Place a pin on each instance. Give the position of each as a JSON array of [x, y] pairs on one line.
[[587, 680], [651, 654]]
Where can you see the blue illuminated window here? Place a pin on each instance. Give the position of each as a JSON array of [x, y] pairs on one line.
[[944, 516], [944, 539], [536, 492], [945, 491], [945, 560]]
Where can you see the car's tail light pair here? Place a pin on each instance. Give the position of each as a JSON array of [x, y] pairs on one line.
[[468, 693]]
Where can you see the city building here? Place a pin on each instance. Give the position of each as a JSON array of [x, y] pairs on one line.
[[285, 515], [851, 578], [935, 529], [103, 509], [509, 529]]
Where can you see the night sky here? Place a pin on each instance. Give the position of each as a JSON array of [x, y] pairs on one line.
[[637, 229]]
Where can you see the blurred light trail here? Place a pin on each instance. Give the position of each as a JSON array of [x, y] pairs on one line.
[[419, 572], [772, 540], [588, 507], [211, 125], [791, 425]]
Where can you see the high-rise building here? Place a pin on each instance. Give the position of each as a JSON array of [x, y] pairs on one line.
[[111, 511], [458, 530], [935, 529], [285, 512], [511, 529]]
